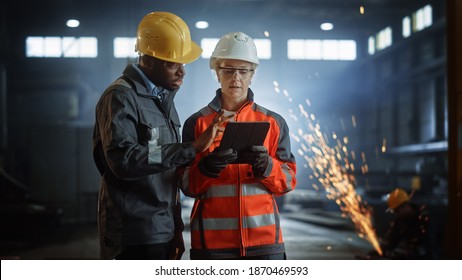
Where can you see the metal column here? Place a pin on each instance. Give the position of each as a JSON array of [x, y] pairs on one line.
[[3, 112], [453, 240]]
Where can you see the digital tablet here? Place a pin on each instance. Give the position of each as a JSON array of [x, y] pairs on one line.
[[242, 135]]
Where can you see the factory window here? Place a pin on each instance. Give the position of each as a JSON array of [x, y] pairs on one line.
[[263, 47], [298, 49], [380, 41], [384, 38], [61, 47], [125, 47], [208, 45], [371, 45], [406, 27], [422, 18]]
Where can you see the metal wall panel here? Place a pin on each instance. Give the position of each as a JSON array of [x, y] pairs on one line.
[[54, 167]]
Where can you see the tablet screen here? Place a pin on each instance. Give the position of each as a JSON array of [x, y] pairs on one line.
[[242, 135]]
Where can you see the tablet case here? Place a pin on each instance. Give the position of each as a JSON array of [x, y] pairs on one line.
[[242, 135]]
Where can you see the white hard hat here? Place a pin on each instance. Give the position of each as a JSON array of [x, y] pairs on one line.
[[235, 45]]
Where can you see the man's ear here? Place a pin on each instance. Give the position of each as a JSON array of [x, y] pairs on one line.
[[151, 63], [147, 62]]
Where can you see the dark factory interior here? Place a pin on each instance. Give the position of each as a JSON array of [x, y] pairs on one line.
[[382, 83]]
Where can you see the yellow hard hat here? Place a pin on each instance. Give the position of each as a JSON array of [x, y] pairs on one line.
[[166, 36], [396, 198]]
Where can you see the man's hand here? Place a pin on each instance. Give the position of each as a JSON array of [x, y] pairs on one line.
[[177, 250], [258, 157], [204, 140], [212, 164]]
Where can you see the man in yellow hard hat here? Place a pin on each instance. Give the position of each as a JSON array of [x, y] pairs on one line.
[[398, 197], [408, 234], [136, 145]]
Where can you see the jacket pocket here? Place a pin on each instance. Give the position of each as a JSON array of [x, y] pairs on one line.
[[153, 128]]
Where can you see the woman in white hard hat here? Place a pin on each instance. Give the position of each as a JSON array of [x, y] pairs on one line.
[[235, 215]]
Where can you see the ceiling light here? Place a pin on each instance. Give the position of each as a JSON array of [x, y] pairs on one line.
[[202, 24], [327, 26], [73, 23]]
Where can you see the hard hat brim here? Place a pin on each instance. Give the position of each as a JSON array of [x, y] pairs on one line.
[[191, 56]]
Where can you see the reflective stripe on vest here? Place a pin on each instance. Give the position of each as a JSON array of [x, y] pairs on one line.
[[230, 190], [254, 189], [233, 223], [286, 170]]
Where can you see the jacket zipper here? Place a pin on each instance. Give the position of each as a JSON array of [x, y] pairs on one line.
[[239, 197]]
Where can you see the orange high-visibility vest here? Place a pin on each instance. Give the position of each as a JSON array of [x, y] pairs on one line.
[[236, 214]]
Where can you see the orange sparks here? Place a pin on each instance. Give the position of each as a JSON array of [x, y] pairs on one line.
[[331, 167]]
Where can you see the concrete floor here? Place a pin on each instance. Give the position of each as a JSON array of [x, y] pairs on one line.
[[308, 235]]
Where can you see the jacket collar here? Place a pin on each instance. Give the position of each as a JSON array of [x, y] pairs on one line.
[[215, 104], [150, 86], [139, 85]]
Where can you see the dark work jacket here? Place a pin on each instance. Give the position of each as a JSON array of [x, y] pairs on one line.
[[408, 237], [136, 147]]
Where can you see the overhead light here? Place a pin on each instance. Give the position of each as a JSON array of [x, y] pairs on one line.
[[327, 26], [73, 23], [202, 24]]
